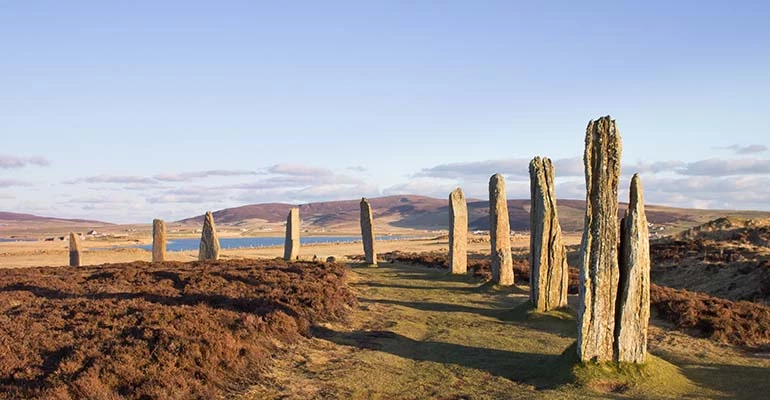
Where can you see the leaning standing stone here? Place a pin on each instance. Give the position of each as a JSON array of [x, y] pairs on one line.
[[458, 232], [367, 232], [158, 240], [74, 250], [209, 248], [291, 243], [633, 314], [599, 247], [499, 232], [548, 271]]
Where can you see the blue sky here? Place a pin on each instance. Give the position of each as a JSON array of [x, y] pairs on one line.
[[125, 111]]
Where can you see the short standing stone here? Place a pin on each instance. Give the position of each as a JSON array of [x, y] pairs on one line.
[[291, 243], [74, 250], [599, 248], [158, 240], [548, 272], [633, 308], [367, 232], [209, 248], [500, 232], [458, 232]]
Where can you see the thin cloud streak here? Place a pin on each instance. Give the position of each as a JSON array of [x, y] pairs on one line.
[[11, 161]]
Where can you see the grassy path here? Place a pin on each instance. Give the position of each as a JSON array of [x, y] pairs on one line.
[[420, 334]]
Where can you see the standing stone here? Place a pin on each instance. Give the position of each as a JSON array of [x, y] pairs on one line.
[[548, 271], [367, 232], [209, 248], [158, 240], [599, 247], [633, 308], [458, 232], [291, 243], [74, 250], [500, 232]]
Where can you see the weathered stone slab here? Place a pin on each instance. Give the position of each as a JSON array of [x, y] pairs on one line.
[[209, 248], [158, 240], [633, 306], [291, 243], [74, 250], [548, 272], [458, 232], [367, 232], [599, 247], [500, 232]]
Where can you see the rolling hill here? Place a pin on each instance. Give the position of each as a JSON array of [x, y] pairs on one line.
[[427, 213]]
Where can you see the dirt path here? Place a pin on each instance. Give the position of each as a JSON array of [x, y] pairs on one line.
[[420, 334]]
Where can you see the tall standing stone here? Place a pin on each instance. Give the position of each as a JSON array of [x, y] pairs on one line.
[[500, 232], [458, 232], [599, 247], [209, 248], [291, 243], [367, 232], [548, 271], [158, 240], [74, 250], [633, 307]]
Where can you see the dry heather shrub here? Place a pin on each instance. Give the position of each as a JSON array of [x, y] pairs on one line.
[[167, 330], [742, 323]]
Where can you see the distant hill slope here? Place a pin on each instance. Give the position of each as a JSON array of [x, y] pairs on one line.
[[18, 217], [427, 213]]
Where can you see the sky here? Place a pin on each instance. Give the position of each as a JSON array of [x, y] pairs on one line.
[[127, 111]]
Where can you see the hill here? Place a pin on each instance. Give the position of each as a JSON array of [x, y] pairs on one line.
[[427, 213], [6, 217]]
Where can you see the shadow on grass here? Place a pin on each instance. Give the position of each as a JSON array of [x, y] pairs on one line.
[[543, 371], [561, 321], [732, 381]]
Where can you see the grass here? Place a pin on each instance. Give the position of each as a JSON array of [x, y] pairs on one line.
[[419, 333]]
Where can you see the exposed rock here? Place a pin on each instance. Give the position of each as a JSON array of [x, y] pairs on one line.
[[331, 259], [367, 232], [209, 248], [599, 248], [291, 243], [458, 232], [548, 273], [74, 250], [499, 232], [633, 306], [158, 240]]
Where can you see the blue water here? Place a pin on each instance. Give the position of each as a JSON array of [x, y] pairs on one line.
[[235, 243]]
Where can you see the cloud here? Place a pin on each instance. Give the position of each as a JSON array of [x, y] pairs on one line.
[[120, 179], [748, 149], [511, 167], [357, 168], [9, 161], [192, 195], [721, 167], [299, 170], [6, 183], [187, 176]]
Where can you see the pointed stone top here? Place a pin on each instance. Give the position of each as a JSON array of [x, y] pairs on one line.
[[457, 193], [74, 245], [538, 161], [636, 196], [364, 200], [496, 178], [157, 220]]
